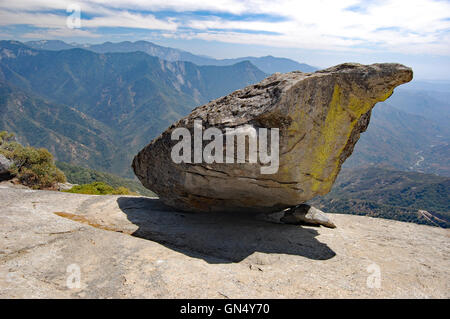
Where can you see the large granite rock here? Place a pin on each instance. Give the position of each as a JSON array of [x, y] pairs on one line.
[[319, 116]]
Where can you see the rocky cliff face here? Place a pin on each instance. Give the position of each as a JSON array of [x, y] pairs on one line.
[[319, 117]]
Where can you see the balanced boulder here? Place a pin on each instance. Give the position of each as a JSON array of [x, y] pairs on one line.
[[305, 126]]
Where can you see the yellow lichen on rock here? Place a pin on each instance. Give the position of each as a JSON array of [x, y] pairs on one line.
[[343, 114], [336, 121]]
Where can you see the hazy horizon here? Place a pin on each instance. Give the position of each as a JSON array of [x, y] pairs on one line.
[[324, 33]]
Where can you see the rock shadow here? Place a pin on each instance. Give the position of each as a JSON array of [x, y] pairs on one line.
[[219, 237]]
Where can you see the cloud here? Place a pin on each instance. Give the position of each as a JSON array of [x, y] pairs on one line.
[[40, 20], [35, 13], [130, 20], [402, 26], [59, 33]]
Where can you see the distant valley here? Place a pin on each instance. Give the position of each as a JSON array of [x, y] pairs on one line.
[[387, 193], [404, 141]]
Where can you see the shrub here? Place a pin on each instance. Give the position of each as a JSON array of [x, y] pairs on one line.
[[81, 175], [32, 167], [6, 137], [99, 188]]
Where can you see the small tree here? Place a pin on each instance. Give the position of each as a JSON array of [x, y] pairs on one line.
[[6, 137], [33, 167]]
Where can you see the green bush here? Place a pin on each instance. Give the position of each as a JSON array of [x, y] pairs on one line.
[[99, 188], [81, 175], [6, 137], [32, 167]]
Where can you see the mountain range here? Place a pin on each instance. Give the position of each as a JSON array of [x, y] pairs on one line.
[[122, 100], [267, 64]]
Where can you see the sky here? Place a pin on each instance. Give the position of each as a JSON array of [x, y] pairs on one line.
[[321, 32]]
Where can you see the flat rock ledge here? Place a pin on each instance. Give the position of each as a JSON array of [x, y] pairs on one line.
[[136, 247]]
